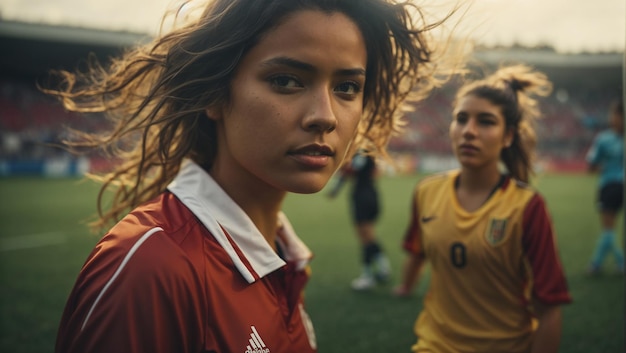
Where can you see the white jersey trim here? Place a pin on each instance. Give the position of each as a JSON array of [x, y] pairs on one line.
[[130, 254], [197, 190]]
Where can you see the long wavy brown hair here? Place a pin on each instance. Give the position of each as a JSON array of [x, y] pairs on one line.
[[155, 95]]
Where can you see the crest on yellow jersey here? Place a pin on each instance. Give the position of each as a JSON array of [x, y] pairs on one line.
[[496, 231]]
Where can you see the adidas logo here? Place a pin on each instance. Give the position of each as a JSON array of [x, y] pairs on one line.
[[256, 343]]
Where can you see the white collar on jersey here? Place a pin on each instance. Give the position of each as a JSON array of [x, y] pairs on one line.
[[197, 190]]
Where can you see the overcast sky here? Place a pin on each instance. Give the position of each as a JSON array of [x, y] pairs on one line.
[[567, 25]]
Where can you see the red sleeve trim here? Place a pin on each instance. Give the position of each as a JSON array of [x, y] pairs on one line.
[[539, 243], [412, 239]]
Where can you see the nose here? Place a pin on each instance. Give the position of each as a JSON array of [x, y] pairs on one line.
[[469, 129], [320, 116]]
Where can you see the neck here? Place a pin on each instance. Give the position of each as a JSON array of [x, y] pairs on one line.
[[259, 201], [478, 180], [474, 188], [263, 210], [266, 221]]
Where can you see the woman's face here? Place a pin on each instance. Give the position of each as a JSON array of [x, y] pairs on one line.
[[478, 133], [295, 102]]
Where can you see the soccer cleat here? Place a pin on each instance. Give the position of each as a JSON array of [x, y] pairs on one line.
[[382, 268], [363, 283]]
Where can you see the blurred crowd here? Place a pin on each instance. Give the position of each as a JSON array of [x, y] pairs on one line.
[[571, 119], [31, 123]]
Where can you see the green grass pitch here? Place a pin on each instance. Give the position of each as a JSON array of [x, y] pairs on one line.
[[43, 244]]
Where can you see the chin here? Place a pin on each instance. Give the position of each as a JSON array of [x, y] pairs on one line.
[[307, 189], [469, 165], [307, 186]]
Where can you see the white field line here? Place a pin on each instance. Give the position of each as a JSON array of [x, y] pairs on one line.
[[32, 241]]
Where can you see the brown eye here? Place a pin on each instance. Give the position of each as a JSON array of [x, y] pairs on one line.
[[284, 82], [348, 87], [461, 118]]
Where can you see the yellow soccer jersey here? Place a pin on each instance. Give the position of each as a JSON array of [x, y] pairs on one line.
[[486, 266]]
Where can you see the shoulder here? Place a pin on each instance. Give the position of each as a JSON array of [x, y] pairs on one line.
[[535, 210], [605, 136], [520, 188], [519, 195], [165, 211], [155, 238], [435, 187]]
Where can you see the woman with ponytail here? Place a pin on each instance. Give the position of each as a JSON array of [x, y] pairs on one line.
[[496, 279]]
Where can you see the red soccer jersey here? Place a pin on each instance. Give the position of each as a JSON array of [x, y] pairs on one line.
[[486, 266], [190, 272]]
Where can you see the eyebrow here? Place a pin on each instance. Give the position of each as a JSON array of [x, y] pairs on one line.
[[480, 115], [299, 65], [487, 115]]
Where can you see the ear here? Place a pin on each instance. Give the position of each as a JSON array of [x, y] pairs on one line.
[[213, 113], [508, 137]]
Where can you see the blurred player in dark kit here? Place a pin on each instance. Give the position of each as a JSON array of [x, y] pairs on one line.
[[365, 209]]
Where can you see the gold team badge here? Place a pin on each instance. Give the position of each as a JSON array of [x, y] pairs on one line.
[[496, 231]]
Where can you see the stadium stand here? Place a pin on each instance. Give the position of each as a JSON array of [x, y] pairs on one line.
[[584, 85], [30, 122]]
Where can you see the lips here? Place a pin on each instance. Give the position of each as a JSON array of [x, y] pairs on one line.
[[466, 147], [312, 156], [313, 150]]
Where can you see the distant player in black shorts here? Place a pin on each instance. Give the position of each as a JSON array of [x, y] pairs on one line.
[[365, 209]]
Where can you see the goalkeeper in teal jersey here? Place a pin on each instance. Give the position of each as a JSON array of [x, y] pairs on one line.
[[606, 156]]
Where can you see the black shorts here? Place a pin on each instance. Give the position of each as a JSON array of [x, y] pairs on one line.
[[365, 206], [611, 197]]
